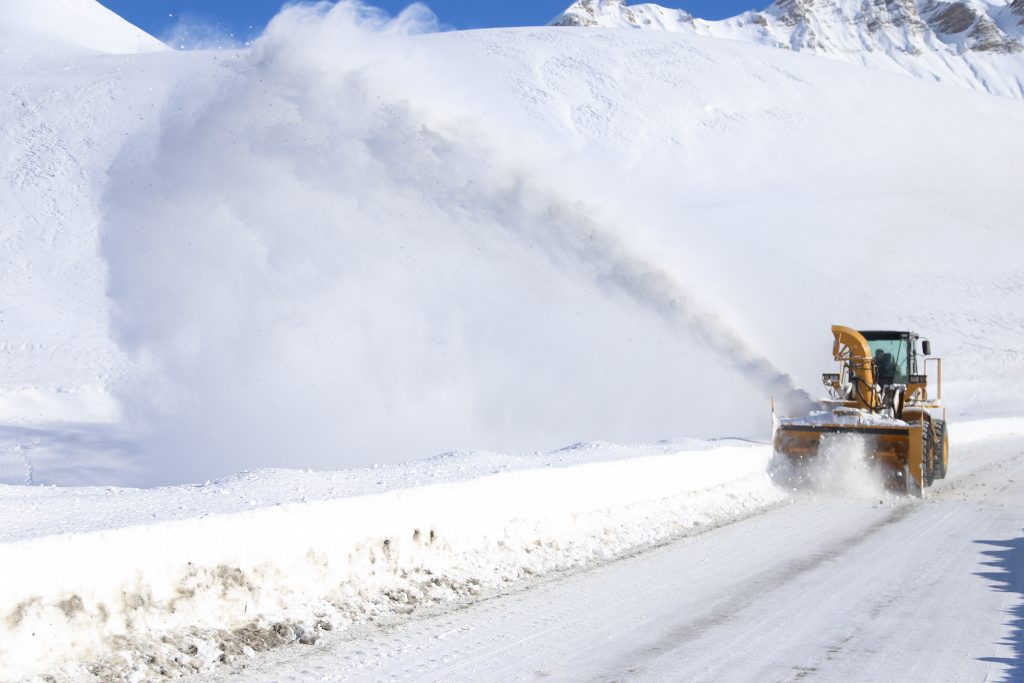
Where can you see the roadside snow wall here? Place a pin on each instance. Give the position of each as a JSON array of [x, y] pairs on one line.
[[180, 597]]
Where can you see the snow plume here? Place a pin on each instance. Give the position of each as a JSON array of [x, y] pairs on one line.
[[843, 467], [571, 236], [316, 270], [192, 32]]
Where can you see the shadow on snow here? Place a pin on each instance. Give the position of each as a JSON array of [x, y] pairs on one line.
[[68, 455], [1006, 558]]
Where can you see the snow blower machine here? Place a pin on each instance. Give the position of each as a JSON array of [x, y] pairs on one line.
[[880, 394]]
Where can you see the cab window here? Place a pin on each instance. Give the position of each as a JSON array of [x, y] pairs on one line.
[[890, 360]]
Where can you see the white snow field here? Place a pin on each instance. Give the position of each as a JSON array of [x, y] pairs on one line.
[[360, 243], [76, 24]]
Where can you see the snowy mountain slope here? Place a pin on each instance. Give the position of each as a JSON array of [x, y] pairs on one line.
[[973, 43], [72, 23], [648, 217], [64, 122], [67, 112]]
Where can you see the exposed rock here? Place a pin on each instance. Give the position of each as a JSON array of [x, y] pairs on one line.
[[574, 19], [618, 13], [950, 17], [793, 12], [585, 12], [878, 15], [1017, 7], [986, 36]]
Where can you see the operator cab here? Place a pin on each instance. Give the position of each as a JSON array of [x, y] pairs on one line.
[[896, 355]]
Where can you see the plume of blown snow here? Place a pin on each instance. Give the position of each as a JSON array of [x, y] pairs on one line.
[[843, 467], [314, 271]]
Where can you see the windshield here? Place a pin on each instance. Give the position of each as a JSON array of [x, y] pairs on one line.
[[891, 360]]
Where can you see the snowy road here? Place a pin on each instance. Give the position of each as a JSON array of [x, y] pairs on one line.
[[825, 588]]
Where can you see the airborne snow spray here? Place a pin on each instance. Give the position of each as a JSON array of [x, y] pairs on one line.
[[313, 268]]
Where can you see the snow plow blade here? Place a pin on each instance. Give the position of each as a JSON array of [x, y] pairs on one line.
[[898, 449]]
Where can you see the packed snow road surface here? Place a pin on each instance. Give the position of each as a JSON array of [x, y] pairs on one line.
[[828, 588]]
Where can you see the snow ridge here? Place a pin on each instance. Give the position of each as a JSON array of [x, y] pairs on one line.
[[967, 42]]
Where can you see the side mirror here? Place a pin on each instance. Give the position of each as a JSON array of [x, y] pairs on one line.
[[926, 347]]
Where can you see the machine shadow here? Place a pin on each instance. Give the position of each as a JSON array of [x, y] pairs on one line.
[[1006, 558]]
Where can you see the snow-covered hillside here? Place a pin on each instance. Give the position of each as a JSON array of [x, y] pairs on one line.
[[63, 24], [973, 43], [68, 110], [64, 122]]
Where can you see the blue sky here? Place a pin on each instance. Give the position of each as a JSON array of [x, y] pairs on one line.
[[245, 18]]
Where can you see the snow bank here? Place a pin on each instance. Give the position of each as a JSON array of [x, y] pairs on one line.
[[972, 431], [178, 596]]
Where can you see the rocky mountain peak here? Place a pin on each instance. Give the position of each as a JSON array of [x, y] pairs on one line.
[[587, 12], [617, 14], [948, 40], [976, 30]]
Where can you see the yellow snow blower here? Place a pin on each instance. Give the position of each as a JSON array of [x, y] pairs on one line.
[[880, 394]]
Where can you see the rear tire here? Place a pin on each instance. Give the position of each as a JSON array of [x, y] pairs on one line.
[[928, 456], [940, 462]]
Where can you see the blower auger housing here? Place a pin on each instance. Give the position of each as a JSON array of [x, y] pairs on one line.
[[881, 393]]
